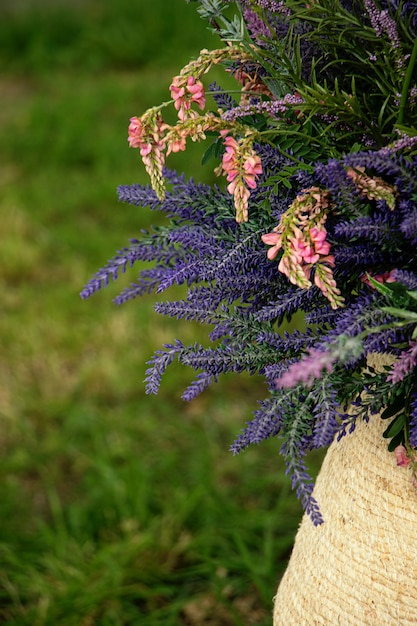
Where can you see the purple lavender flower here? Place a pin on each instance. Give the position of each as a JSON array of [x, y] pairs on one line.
[[407, 278], [326, 414], [223, 100]]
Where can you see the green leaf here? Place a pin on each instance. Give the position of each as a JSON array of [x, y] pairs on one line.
[[410, 316], [393, 408], [355, 147], [412, 294], [396, 426], [381, 287], [398, 440], [208, 154]]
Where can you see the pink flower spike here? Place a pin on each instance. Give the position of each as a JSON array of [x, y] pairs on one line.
[[184, 91], [241, 165]]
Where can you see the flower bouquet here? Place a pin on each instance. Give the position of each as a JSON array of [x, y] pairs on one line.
[[317, 223]]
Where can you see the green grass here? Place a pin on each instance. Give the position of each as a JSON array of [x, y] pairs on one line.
[[117, 508]]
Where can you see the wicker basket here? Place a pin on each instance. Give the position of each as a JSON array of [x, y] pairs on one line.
[[360, 566]]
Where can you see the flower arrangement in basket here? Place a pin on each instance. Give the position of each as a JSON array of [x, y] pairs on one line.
[[317, 217]]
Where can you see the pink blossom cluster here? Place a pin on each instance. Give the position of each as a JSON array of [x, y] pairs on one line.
[[147, 134], [193, 127], [315, 247], [373, 187], [242, 166], [304, 250], [184, 91], [302, 237]]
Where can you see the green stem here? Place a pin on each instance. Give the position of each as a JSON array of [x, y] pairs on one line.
[[406, 84], [376, 329]]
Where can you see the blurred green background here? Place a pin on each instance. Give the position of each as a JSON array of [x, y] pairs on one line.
[[117, 508]]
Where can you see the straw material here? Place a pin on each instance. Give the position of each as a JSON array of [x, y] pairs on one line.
[[360, 566]]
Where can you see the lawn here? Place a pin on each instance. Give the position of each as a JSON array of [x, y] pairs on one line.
[[117, 508]]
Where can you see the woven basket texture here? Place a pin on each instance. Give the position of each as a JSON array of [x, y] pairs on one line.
[[359, 568]]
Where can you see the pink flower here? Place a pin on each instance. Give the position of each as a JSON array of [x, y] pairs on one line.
[[272, 239], [135, 132], [184, 91], [318, 237], [301, 236], [177, 144], [177, 88], [253, 169], [401, 456], [145, 149], [308, 255], [177, 91], [196, 89], [229, 155]]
